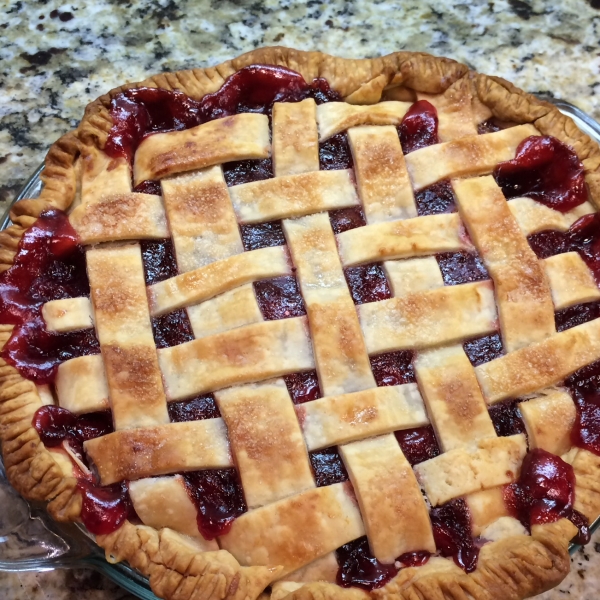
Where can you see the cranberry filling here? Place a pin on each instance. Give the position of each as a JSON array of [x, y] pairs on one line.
[[149, 186], [56, 425], [263, 235], [546, 170], [545, 492], [246, 171], [585, 380], [159, 260], [393, 368], [576, 315], [279, 298], [419, 127], [506, 418], [197, 409], [549, 243], [104, 509], [218, 497], [484, 349], [451, 524], [359, 568], [435, 199], [49, 265], [139, 112], [367, 283], [172, 329], [328, 466], [303, 387], [345, 219], [335, 153], [461, 267], [586, 430], [418, 444]]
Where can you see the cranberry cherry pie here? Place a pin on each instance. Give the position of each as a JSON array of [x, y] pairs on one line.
[[311, 327]]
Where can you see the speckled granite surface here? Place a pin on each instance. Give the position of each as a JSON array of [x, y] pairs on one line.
[[55, 57]]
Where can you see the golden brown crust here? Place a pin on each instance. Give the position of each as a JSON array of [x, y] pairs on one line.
[[507, 569]]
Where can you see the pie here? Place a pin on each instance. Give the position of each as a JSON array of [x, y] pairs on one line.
[[306, 327]]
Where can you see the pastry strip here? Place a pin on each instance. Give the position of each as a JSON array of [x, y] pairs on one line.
[[329, 519], [266, 441], [118, 293], [339, 419], [68, 314], [394, 511], [242, 355], [216, 278], [571, 280], [522, 292], [239, 137], [293, 196], [81, 385], [383, 183], [413, 275], [340, 353], [202, 222], [474, 155], [402, 239], [540, 365], [295, 137], [147, 451], [431, 318]]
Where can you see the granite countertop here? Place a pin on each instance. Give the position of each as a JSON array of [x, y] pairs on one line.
[[56, 57]]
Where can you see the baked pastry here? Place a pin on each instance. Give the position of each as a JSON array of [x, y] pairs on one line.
[[312, 327]]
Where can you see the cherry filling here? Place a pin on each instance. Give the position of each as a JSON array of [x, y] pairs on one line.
[[461, 267], [545, 492], [418, 444], [359, 568], [159, 260], [506, 418], [419, 127], [279, 298], [139, 112], [328, 466], [489, 126], [172, 329], [49, 265], [197, 409], [435, 199], [150, 186], [345, 219], [393, 368], [246, 171], [546, 170], [335, 153], [451, 525], [104, 509], [484, 349], [263, 235], [218, 497], [549, 243], [576, 315], [367, 283], [303, 387]]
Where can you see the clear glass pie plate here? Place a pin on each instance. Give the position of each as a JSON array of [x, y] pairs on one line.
[[31, 541]]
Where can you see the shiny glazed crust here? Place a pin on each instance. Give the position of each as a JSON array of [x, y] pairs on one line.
[[513, 568]]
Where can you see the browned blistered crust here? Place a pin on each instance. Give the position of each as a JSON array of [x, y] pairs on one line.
[[511, 569]]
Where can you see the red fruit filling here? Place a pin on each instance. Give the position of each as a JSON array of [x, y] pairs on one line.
[[435, 199], [461, 267], [451, 524], [303, 387], [218, 497], [546, 170], [279, 298], [367, 283], [104, 509], [328, 466], [202, 407], [419, 127], [576, 315], [506, 418], [345, 219], [335, 153], [418, 444], [393, 368], [545, 492], [159, 260], [549, 243], [172, 329], [484, 349], [263, 235]]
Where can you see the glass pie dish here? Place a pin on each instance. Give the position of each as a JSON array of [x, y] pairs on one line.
[[31, 541]]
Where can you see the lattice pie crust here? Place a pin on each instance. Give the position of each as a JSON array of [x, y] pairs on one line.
[[292, 527]]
